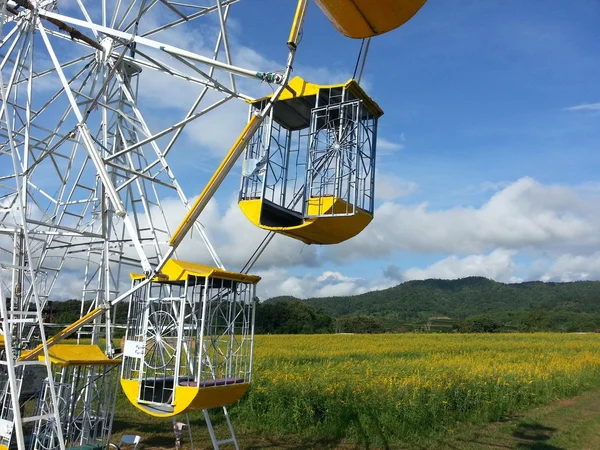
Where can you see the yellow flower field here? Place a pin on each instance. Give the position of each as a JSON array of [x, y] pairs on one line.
[[392, 388]]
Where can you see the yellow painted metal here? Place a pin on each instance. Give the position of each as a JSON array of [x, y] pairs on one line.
[[216, 180], [217, 396], [188, 398], [360, 19], [297, 23], [131, 388], [318, 230], [299, 88], [78, 355], [176, 270], [62, 334]]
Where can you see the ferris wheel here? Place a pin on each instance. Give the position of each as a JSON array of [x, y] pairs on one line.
[[85, 167]]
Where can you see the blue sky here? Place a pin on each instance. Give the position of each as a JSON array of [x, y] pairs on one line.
[[483, 100], [488, 149]]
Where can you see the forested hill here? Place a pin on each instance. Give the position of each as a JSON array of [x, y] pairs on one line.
[[549, 305], [471, 304], [465, 297]]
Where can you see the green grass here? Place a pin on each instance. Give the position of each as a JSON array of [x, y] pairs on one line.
[[565, 424], [393, 391]]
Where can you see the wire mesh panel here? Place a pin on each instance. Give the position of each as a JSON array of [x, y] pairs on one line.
[[341, 160], [133, 350], [152, 340], [275, 165], [162, 342], [227, 335]]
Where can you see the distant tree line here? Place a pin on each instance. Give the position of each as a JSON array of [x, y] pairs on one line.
[[468, 305], [298, 317], [285, 317]]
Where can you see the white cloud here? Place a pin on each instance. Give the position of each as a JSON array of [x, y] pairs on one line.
[[524, 215], [388, 146], [571, 267], [489, 186], [340, 289], [334, 276], [278, 281], [498, 265], [584, 107], [390, 187], [234, 237], [558, 222], [218, 129]]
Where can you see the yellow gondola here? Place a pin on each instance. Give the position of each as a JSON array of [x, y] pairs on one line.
[[189, 339], [308, 172], [359, 19]]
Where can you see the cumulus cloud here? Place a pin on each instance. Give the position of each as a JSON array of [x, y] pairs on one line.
[[570, 267], [524, 215], [555, 224], [390, 187], [279, 281], [393, 272], [233, 236], [217, 130], [498, 265]]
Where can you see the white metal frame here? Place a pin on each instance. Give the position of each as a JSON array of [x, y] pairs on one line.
[[80, 167]]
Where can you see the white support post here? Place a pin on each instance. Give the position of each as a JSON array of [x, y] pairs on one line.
[[10, 367], [95, 157]]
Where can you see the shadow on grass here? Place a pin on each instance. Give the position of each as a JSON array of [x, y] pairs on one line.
[[527, 435], [533, 436]]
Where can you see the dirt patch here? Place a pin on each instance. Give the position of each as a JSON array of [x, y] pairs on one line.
[[567, 402]]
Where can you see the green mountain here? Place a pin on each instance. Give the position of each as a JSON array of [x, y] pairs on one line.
[[534, 305]]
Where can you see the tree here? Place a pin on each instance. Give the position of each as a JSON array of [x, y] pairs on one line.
[[291, 317], [359, 324], [485, 324]]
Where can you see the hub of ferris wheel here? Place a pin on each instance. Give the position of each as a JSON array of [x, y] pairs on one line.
[[83, 175]]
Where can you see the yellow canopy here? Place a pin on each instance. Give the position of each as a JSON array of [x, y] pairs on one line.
[[299, 89], [176, 270], [78, 355], [360, 19]]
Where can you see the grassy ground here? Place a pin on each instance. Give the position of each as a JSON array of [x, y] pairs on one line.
[[567, 424], [564, 425], [415, 391]]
